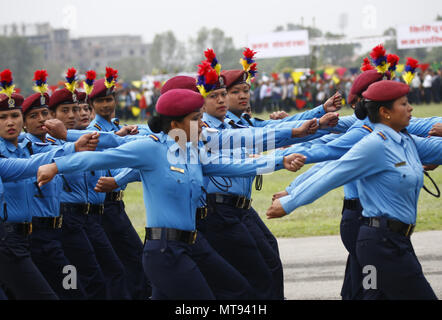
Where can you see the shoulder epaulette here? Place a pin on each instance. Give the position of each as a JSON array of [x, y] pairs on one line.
[[97, 126], [153, 137], [367, 128], [205, 124], [41, 144], [116, 122], [382, 135], [50, 140]]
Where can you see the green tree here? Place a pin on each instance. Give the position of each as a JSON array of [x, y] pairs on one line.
[[216, 39], [167, 53], [22, 59]]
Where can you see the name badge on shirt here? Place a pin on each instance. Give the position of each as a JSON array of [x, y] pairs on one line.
[[176, 169], [400, 164]]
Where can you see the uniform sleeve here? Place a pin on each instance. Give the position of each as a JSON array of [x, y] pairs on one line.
[[366, 158], [138, 154], [231, 167], [17, 169], [105, 140], [429, 149], [334, 149], [254, 139], [126, 176], [343, 125], [304, 176], [422, 126]]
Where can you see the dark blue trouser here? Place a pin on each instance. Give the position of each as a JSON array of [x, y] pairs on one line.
[[173, 272], [268, 246], [128, 246], [80, 252], [350, 222], [111, 265], [224, 280], [17, 271], [399, 274], [48, 255], [230, 237]]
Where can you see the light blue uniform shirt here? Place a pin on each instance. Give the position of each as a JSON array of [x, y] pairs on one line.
[[309, 114], [102, 125], [75, 189], [338, 147], [46, 201], [13, 170], [172, 186], [388, 167]]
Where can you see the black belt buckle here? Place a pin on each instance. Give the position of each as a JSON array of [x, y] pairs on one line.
[[23, 228], [58, 221], [240, 202], [410, 230], [202, 212], [193, 237]]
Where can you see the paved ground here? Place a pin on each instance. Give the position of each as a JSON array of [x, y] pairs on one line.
[[314, 267]]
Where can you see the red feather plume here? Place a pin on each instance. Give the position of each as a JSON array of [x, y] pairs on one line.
[[6, 76], [111, 73], [204, 68], [40, 75], [210, 55], [91, 75], [392, 59], [249, 53], [366, 65], [413, 63], [377, 52], [71, 73], [211, 76]]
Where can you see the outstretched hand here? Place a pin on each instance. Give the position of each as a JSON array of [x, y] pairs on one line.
[[56, 129], [46, 173], [293, 162], [275, 210], [87, 142]]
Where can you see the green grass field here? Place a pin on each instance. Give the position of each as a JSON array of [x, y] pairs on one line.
[[322, 217]]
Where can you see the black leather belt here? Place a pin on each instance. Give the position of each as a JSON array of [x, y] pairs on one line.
[[114, 196], [352, 204], [201, 213], [97, 209], [82, 208], [22, 228], [188, 237], [48, 222], [391, 224], [240, 202]]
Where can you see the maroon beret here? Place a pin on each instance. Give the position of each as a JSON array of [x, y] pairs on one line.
[[62, 96], [35, 100], [386, 90], [81, 97], [180, 82], [234, 77], [15, 102], [179, 102], [361, 83], [100, 89]]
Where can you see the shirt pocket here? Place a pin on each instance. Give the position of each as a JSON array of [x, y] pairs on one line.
[[406, 177]]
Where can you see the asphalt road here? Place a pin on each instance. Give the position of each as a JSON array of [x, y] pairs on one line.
[[314, 267]]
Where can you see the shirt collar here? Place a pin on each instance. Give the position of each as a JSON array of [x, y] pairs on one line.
[[395, 136], [33, 138], [105, 125], [232, 116], [214, 122], [9, 146]]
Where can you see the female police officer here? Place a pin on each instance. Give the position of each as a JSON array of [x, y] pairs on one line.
[[388, 166], [172, 176]]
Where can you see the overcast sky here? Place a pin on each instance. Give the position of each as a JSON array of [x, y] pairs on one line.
[[237, 18]]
